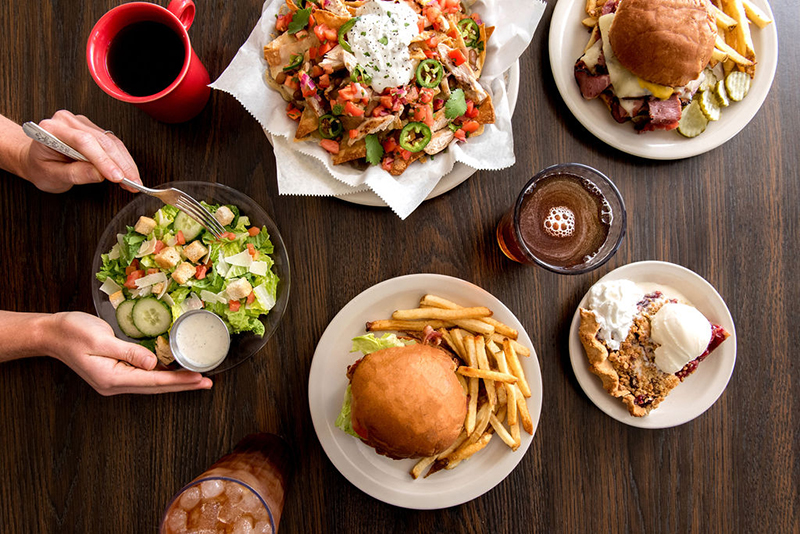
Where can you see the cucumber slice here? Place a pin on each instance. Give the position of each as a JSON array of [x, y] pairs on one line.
[[692, 122], [151, 316], [190, 228], [722, 94], [125, 319], [709, 105], [738, 84]]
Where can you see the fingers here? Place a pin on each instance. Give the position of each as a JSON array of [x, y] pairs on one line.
[[131, 380], [134, 354], [105, 151]]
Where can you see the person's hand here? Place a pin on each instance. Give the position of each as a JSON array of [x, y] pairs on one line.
[[111, 366], [55, 173]]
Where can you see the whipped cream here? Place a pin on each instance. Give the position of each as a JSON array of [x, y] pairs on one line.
[[614, 304], [683, 334]]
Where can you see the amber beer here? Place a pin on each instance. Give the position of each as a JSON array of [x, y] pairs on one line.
[[569, 218], [243, 491]]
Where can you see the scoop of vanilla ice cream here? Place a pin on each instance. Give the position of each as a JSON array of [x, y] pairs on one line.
[[614, 305], [683, 334]]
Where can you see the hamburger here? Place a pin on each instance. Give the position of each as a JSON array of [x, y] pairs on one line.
[[648, 59], [405, 400]]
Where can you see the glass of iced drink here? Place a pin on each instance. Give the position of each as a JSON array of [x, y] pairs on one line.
[[569, 219], [243, 493]]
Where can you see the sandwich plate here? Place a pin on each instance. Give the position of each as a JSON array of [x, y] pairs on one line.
[[567, 40], [382, 478], [702, 388]]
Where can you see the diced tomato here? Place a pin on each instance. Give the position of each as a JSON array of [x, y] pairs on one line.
[[312, 53], [330, 145], [457, 56], [282, 24], [325, 48], [353, 134], [132, 267], [405, 154], [302, 34], [419, 114], [348, 92], [428, 53], [328, 69], [386, 101], [353, 110], [428, 115], [200, 271], [152, 270], [251, 297], [159, 246], [432, 42], [319, 31], [324, 81], [452, 32], [179, 238], [252, 250], [130, 283], [308, 91], [472, 111], [386, 164], [471, 126], [432, 13], [229, 235], [293, 113], [461, 135], [331, 35], [292, 83], [389, 144], [316, 71], [426, 95], [234, 305], [421, 24], [254, 231]]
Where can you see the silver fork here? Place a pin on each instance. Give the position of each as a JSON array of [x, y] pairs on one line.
[[175, 197]]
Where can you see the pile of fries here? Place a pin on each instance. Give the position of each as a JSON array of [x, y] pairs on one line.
[[491, 374], [734, 45]]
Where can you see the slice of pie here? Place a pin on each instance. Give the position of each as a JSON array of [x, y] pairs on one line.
[[630, 367]]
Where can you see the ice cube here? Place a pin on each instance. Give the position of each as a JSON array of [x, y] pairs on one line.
[[250, 503], [190, 498], [228, 513], [243, 525], [234, 491], [209, 512], [176, 520], [211, 489], [262, 527]]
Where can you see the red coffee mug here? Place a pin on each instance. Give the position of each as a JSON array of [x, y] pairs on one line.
[[186, 96]]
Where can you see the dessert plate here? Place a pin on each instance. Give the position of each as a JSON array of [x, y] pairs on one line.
[[382, 478], [568, 38], [702, 388]]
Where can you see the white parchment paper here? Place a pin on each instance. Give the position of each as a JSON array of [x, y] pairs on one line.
[[304, 168]]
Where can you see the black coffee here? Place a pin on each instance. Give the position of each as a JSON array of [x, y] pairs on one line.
[[145, 58]]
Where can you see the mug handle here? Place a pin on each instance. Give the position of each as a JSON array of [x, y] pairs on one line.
[[184, 10]]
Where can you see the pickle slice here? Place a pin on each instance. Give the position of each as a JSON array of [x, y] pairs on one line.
[[709, 105], [693, 122], [709, 80], [722, 94], [738, 84]]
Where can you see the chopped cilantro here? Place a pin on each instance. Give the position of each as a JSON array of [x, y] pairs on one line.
[[338, 109], [384, 40], [407, 24], [374, 149], [456, 105], [299, 20], [363, 34]]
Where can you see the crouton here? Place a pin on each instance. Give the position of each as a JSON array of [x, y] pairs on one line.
[[116, 298], [239, 289], [183, 273], [158, 288], [144, 225], [163, 352], [224, 215], [195, 251], [167, 258]]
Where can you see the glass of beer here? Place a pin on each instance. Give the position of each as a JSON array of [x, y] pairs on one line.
[[569, 219], [243, 491]]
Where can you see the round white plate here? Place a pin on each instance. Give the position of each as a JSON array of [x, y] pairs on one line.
[[702, 388], [389, 480], [567, 39]]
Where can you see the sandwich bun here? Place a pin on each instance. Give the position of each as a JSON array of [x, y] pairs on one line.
[[407, 401], [667, 42]]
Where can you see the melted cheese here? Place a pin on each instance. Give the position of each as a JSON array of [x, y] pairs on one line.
[[626, 84]]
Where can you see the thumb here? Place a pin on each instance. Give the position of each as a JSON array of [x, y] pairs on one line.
[[134, 354]]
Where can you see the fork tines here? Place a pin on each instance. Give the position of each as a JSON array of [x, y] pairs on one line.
[[199, 213]]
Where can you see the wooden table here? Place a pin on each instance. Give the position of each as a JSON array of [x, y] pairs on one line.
[[74, 461]]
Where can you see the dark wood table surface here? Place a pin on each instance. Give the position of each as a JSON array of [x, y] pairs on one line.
[[74, 461]]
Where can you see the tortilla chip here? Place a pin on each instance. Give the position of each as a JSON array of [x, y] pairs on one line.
[[486, 112], [400, 165], [350, 153], [309, 123], [332, 20]]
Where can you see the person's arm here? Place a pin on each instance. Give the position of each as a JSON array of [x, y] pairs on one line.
[[55, 173], [87, 344]]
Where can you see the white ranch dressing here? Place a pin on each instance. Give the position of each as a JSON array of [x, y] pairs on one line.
[[201, 340], [380, 40]]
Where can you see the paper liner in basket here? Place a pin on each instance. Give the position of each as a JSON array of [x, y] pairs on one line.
[[515, 22]]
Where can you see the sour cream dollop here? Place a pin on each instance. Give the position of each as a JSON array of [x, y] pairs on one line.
[[380, 40]]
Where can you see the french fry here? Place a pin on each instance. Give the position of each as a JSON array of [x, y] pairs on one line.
[[472, 372], [501, 432], [483, 363], [472, 405], [718, 55], [423, 463], [589, 22], [520, 349], [755, 15], [500, 328], [515, 367], [421, 466], [733, 55], [739, 37], [522, 410], [724, 21], [404, 326], [511, 406], [465, 451], [475, 325], [515, 434], [439, 302], [475, 312], [481, 422], [458, 338], [502, 395], [463, 382]]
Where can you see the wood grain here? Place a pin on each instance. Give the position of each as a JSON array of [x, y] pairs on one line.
[[74, 461]]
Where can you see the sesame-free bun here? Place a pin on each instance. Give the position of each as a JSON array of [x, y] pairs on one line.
[[407, 401], [668, 42]]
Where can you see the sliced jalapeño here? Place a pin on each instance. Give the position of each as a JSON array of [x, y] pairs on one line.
[[429, 73], [346, 27], [469, 31], [295, 61], [329, 126], [415, 136]]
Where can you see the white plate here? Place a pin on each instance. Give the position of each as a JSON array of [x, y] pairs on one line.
[[389, 480], [567, 40], [702, 388]]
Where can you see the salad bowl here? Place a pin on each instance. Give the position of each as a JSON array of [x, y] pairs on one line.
[[243, 345]]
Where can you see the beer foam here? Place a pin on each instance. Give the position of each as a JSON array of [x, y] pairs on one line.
[[560, 222]]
